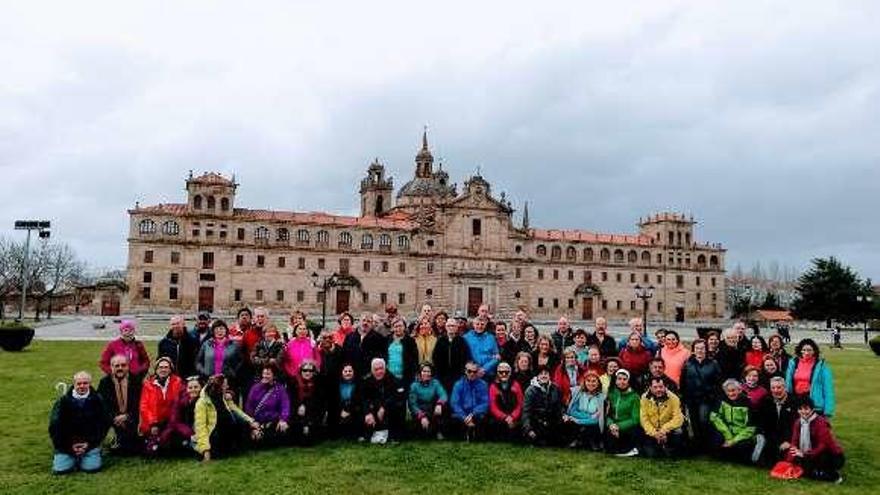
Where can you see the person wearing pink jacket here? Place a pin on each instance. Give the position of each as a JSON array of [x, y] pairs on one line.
[[674, 356], [300, 348], [126, 345]]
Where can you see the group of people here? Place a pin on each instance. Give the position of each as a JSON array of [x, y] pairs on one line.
[[217, 389]]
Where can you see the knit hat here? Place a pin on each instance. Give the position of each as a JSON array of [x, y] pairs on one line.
[[622, 372], [126, 325]]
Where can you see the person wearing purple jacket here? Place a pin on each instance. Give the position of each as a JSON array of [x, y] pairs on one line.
[[269, 405]]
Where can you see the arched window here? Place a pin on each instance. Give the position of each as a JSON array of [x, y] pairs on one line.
[[261, 234], [588, 254], [618, 256], [170, 227], [282, 235], [555, 252], [224, 204], [403, 242], [384, 241], [646, 258], [147, 226], [197, 202], [632, 257], [605, 255], [541, 250], [571, 253], [713, 261], [367, 241], [344, 239], [303, 236], [212, 203], [701, 261], [380, 205], [323, 237]]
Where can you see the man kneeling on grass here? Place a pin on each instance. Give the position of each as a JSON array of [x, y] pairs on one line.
[[77, 427]]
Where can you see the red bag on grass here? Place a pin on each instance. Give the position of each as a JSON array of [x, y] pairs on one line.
[[785, 470]]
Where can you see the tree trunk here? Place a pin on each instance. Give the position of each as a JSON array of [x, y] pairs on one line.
[[49, 309], [37, 309]]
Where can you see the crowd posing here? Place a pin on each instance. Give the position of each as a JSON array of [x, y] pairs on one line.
[[219, 388]]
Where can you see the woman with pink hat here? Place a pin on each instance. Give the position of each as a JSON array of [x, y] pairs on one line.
[[126, 345]]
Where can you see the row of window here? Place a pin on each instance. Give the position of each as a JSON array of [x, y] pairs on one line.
[[633, 305], [211, 202], [630, 257], [633, 278], [259, 296]]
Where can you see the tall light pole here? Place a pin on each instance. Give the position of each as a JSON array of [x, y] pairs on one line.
[[644, 293], [328, 282], [43, 227], [865, 299]]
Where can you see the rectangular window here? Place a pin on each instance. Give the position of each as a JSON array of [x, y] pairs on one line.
[[148, 277], [604, 276], [540, 274], [145, 293], [401, 298], [571, 304], [343, 266], [236, 295], [698, 296], [261, 261], [646, 278], [319, 296], [223, 234], [301, 263], [366, 266], [714, 297], [476, 226], [195, 232], [555, 302], [172, 293], [321, 263], [697, 280], [679, 281], [365, 297], [588, 276], [618, 304], [632, 278], [282, 262], [659, 279], [300, 296], [430, 267], [571, 274], [209, 233], [174, 278], [208, 261], [384, 267], [175, 257], [401, 267], [604, 304], [618, 277], [712, 281], [659, 258], [239, 260], [659, 307], [207, 277], [383, 298], [632, 305], [555, 274], [148, 256], [240, 234], [279, 295], [259, 294], [518, 273], [540, 302]]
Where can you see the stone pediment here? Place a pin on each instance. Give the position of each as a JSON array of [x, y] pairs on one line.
[[477, 195]]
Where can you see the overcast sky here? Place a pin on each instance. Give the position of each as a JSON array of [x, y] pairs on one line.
[[759, 118]]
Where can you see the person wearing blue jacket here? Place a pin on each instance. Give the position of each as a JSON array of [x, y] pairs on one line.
[[484, 349], [637, 325], [427, 402], [585, 416], [809, 374], [470, 403]]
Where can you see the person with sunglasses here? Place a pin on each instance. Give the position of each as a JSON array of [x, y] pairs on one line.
[[470, 403], [307, 404], [505, 405]]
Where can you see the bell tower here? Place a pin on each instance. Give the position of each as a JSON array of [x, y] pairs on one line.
[[376, 191], [211, 194]]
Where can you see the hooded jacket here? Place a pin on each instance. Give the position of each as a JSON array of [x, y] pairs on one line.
[[586, 408], [660, 414], [821, 386], [623, 408], [734, 420], [424, 397], [484, 350], [542, 406], [158, 402], [470, 397]]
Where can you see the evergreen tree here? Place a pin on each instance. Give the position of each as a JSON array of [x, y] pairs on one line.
[[828, 291]]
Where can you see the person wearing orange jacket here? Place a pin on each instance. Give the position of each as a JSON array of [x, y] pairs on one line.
[[158, 395]]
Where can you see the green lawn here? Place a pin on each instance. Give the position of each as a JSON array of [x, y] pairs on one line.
[[29, 377]]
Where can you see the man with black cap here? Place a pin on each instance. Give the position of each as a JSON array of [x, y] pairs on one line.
[[202, 329]]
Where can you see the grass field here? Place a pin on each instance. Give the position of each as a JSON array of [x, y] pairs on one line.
[[28, 380]]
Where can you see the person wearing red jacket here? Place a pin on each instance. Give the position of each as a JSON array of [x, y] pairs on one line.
[[813, 445], [505, 405], [128, 346], [567, 375], [159, 394], [635, 357]]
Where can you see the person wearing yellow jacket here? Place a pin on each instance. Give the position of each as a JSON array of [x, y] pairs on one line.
[[661, 419], [220, 425]]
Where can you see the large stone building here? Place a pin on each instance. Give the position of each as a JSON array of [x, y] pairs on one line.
[[431, 243]]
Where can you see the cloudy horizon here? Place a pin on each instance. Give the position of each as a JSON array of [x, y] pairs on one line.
[[760, 120]]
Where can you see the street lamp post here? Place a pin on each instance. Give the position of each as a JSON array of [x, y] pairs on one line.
[[327, 283], [43, 227], [865, 299], [644, 293]]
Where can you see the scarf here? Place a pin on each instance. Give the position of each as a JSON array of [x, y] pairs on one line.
[[804, 442], [77, 396]]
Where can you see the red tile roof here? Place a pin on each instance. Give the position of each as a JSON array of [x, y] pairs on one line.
[[775, 315], [587, 236], [314, 218]]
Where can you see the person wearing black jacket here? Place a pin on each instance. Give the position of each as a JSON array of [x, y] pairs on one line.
[[307, 405], [402, 354], [514, 345], [120, 392], [656, 369], [776, 415], [563, 337], [179, 346], [731, 356], [382, 403], [542, 410], [362, 346], [600, 338], [77, 427], [700, 388], [343, 406], [451, 353]]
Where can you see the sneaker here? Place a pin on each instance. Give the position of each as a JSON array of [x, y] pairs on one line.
[[839, 479], [440, 436], [573, 444], [379, 437], [632, 453]]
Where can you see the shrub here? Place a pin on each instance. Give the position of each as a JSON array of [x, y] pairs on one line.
[[15, 336]]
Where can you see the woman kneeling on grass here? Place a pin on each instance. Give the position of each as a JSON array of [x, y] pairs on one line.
[[220, 425], [813, 445], [269, 405]]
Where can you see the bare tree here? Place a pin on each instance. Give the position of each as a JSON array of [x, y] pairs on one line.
[[61, 271], [8, 275]]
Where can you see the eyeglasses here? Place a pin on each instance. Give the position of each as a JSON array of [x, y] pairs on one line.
[[471, 372], [308, 370], [503, 372]]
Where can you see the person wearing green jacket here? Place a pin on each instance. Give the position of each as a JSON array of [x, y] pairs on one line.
[[427, 402], [735, 435], [622, 430]]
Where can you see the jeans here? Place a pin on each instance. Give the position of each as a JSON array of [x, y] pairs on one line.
[[90, 462]]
